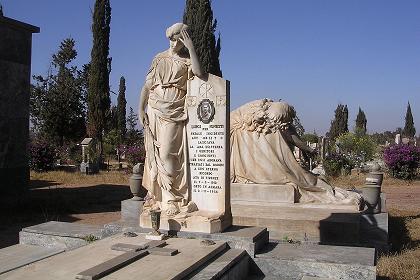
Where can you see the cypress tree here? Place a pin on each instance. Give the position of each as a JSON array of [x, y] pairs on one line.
[[99, 101], [121, 110], [340, 123], [345, 120], [198, 15], [361, 122], [409, 129]]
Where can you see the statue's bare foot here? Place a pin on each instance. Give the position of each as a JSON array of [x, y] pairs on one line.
[[172, 209]]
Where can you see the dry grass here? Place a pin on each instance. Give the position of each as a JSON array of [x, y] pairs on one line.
[[358, 181], [400, 266], [403, 262], [78, 178]]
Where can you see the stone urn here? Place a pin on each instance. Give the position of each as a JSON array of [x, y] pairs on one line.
[[135, 183], [371, 193], [375, 177]]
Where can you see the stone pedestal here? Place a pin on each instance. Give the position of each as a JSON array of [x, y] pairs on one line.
[[198, 221], [130, 210], [262, 194]]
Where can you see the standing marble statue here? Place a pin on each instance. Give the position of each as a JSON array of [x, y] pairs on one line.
[[163, 114], [262, 135]]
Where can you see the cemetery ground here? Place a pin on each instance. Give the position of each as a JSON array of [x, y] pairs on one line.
[[95, 199]]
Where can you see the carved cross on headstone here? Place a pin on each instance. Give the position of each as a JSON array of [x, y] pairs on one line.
[[133, 253]]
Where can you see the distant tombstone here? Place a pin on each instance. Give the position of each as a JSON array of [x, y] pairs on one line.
[[398, 139], [208, 146], [15, 73], [324, 145], [297, 153], [405, 140], [88, 164]]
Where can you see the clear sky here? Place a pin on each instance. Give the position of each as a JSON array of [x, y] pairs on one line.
[[313, 54]]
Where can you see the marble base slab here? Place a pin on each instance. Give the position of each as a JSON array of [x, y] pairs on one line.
[[131, 209], [192, 222], [20, 255], [61, 235], [298, 222], [152, 236], [264, 194]]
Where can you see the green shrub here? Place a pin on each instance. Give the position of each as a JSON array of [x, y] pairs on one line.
[[357, 147], [334, 164], [309, 137]]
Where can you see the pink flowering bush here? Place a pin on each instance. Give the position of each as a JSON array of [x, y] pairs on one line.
[[402, 160], [42, 155], [133, 153]]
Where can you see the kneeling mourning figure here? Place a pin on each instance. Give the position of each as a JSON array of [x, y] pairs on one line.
[[262, 138]]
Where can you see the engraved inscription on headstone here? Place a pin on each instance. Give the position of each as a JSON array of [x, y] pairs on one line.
[[208, 143]]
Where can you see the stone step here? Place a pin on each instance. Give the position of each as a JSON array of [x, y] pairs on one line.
[[231, 264], [296, 222], [61, 235], [293, 261], [251, 239], [192, 255], [19, 255]]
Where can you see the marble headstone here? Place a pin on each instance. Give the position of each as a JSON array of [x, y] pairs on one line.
[[208, 143]]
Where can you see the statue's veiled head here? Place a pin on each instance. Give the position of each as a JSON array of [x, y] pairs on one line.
[[173, 33], [281, 112]]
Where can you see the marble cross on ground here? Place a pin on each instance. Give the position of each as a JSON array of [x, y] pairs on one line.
[[133, 253]]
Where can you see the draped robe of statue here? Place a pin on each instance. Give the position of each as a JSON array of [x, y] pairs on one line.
[[165, 175], [261, 154]]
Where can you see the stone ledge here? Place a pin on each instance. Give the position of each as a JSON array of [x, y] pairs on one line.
[[293, 261], [251, 239], [61, 235], [20, 255]]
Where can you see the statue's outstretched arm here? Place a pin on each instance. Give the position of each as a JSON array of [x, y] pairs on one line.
[[299, 143]]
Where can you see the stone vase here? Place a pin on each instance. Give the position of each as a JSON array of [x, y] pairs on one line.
[[375, 177], [155, 217], [136, 188], [371, 193]]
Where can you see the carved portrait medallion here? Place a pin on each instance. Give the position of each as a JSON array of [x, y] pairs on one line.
[[206, 111]]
